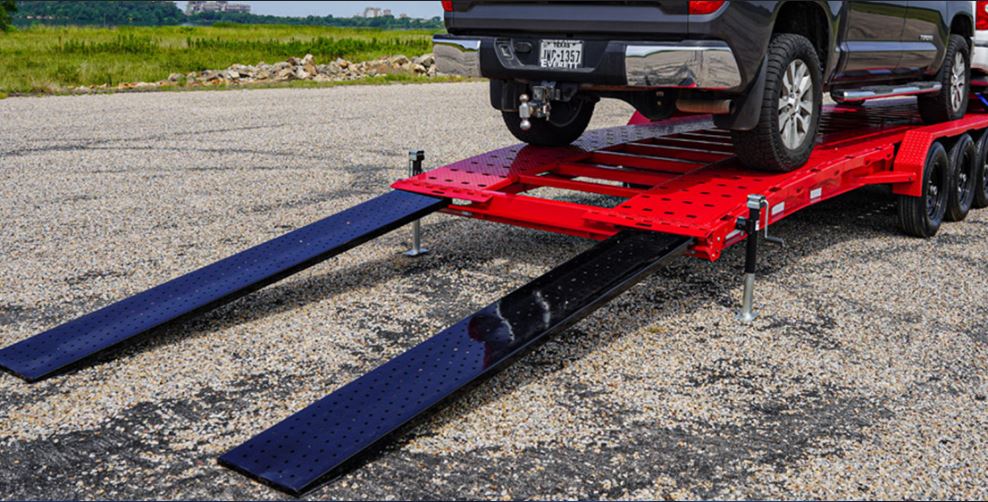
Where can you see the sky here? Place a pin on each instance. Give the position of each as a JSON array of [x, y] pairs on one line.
[[420, 9]]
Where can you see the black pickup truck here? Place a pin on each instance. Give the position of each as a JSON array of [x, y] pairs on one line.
[[760, 67]]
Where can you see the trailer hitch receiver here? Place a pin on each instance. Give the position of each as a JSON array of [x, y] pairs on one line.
[[538, 105]]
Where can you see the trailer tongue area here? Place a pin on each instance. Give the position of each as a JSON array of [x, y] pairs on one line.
[[649, 191]]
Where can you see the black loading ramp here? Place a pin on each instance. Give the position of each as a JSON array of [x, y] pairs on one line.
[[330, 435], [213, 285]]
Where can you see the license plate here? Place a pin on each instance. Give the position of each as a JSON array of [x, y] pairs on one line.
[[561, 54]]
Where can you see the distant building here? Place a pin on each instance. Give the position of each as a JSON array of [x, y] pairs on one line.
[[376, 12], [216, 6]]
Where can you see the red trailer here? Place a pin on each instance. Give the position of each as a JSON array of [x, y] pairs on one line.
[[679, 176], [649, 191]]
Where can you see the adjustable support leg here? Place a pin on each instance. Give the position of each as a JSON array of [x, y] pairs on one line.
[[415, 158], [750, 226]]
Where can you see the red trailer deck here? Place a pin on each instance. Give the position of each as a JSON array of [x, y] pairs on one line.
[[680, 177]]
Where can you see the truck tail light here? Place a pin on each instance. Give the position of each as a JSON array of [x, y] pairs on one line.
[[981, 17], [447, 5], [699, 7]]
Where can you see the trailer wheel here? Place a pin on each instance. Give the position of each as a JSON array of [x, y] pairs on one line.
[[981, 173], [963, 167], [921, 216]]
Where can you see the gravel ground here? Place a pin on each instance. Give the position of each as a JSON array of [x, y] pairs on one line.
[[864, 377]]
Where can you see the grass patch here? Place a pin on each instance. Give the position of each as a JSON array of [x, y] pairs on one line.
[[46, 59]]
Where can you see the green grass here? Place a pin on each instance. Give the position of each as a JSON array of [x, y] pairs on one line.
[[49, 59]]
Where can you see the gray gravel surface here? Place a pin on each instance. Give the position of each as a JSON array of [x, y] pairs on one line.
[[864, 376]]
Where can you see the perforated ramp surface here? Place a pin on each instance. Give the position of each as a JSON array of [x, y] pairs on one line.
[[49, 352], [323, 439]]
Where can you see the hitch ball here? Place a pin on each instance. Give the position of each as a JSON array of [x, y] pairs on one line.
[[525, 112]]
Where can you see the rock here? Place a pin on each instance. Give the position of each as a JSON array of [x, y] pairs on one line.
[[242, 71], [284, 74], [379, 67], [293, 68], [210, 76], [425, 60]]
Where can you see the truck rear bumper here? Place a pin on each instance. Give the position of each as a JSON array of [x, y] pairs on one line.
[[686, 64]]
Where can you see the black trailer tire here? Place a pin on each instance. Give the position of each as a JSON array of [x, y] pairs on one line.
[[951, 102], [921, 216], [963, 177], [566, 123], [981, 175], [764, 147]]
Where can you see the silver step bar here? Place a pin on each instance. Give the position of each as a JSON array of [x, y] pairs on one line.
[[884, 91]]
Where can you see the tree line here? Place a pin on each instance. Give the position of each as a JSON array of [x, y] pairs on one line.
[[166, 13]]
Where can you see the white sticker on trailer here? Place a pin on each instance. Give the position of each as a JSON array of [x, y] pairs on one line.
[[778, 208], [816, 193]]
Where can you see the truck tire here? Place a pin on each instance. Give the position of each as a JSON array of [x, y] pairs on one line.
[[789, 98], [921, 216], [566, 123], [963, 167], [955, 81], [981, 175]]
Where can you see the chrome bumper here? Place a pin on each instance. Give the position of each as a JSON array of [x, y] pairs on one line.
[[704, 65], [708, 66], [456, 56]]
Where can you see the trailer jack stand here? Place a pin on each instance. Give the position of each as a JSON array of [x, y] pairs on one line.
[[415, 158], [749, 226]]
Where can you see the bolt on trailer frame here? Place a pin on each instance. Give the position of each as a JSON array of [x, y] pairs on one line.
[[658, 190]]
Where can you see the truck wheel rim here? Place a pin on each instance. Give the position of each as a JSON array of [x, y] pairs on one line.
[[957, 82], [795, 104]]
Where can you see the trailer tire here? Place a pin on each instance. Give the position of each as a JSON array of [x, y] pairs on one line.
[[951, 102], [981, 174], [763, 147], [921, 216], [562, 128], [963, 177]]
